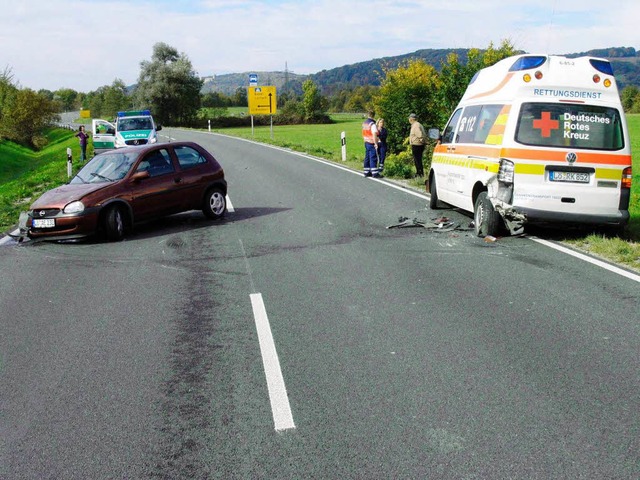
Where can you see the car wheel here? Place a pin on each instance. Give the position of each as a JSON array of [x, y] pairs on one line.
[[485, 218], [433, 193], [215, 203], [114, 224]]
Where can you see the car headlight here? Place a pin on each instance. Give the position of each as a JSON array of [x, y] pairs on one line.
[[506, 171], [153, 139], [74, 207], [120, 142]]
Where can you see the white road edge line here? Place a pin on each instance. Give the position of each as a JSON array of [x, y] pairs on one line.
[[282, 417], [587, 258]]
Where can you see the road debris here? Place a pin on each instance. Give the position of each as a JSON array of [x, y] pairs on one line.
[[440, 224]]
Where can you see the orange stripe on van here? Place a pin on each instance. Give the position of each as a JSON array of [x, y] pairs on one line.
[[560, 156], [504, 81]]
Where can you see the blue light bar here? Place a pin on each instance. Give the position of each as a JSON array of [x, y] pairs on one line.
[[602, 66], [527, 63], [134, 113]]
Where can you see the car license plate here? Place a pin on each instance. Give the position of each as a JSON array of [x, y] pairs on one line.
[[44, 222], [576, 177]]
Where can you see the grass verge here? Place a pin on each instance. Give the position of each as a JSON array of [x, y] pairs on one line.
[[25, 174]]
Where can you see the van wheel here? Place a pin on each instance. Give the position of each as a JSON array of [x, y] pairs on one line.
[[215, 203], [113, 224], [433, 193], [485, 218]]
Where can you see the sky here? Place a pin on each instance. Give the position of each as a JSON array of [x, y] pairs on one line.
[[86, 44]]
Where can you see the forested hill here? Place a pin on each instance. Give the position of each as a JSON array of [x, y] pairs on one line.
[[625, 61]]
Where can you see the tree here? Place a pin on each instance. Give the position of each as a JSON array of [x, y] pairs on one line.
[[169, 86], [630, 98], [26, 116], [67, 97], [315, 105], [115, 99], [412, 88], [417, 87], [240, 98], [455, 76], [8, 93]]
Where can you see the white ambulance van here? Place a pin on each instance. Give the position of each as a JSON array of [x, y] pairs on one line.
[[131, 128], [536, 139]]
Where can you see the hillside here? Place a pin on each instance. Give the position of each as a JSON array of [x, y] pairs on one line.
[[625, 61]]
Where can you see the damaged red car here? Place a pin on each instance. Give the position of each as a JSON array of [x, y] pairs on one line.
[[119, 188]]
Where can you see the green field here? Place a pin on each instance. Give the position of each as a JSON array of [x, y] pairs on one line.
[[320, 140]]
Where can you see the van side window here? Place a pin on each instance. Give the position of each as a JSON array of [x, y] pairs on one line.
[[449, 130], [476, 123]]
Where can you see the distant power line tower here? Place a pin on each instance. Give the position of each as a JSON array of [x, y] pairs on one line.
[[286, 76]]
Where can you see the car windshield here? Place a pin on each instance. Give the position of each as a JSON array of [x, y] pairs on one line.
[[107, 167], [126, 124]]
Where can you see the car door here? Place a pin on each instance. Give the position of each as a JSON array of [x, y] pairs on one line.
[[103, 135], [195, 169], [159, 193]]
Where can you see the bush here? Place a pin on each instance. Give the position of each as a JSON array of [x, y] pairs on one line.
[[399, 165]]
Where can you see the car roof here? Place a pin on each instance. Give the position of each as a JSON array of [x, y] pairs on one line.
[[149, 147]]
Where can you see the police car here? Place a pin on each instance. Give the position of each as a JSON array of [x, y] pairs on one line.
[[131, 128]]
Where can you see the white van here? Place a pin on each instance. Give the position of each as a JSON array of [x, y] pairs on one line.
[[538, 139], [130, 128]]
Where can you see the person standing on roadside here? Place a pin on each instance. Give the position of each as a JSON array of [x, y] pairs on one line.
[[370, 136], [82, 138], [382, 143], [418, 141]]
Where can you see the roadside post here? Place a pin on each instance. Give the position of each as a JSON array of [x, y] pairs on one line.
[[209, 121], [69, 161], [253, 82], [343, 138]]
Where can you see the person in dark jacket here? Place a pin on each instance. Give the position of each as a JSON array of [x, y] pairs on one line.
[[82, 138], [382, 143]]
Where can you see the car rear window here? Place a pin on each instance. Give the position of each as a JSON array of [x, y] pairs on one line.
[[189, 157], [570, 125]]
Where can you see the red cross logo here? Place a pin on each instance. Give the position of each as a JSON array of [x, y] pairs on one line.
[[545, 124]]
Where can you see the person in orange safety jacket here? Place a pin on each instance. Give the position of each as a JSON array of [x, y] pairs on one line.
[[370, 136]]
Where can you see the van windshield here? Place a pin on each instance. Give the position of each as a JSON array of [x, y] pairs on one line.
[[570, 125], [134, 123]]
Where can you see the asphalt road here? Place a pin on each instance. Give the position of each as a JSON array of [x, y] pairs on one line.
[[401, 353]]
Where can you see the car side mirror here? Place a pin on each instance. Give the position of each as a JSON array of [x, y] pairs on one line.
[[158, 128], [139, 176], [434, 134]]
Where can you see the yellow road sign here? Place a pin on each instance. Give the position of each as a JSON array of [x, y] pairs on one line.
[[262, 100]]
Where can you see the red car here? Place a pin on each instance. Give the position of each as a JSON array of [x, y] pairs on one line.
[[121, 187]]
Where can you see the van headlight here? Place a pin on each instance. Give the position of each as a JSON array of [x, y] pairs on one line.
[[506, 170], [120, 142], [153, 139], [74, 207]]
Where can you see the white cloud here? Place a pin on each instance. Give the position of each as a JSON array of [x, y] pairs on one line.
[[87, 44]]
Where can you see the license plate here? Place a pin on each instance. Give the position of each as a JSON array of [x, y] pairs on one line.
[[44, 222], [576, 177]]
